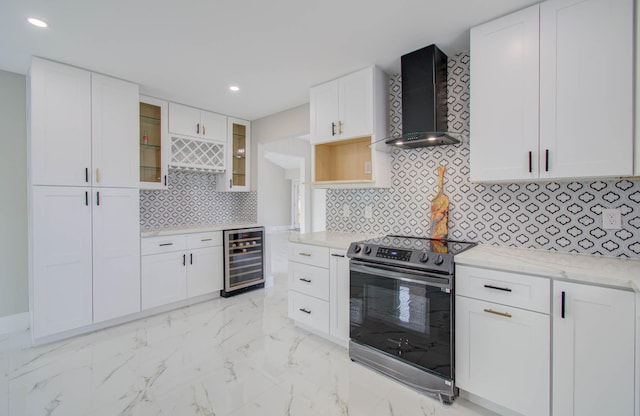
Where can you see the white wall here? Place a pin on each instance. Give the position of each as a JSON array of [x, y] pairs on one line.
[[13, 195]]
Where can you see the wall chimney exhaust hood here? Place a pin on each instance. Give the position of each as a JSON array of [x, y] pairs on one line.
[[424, 100]]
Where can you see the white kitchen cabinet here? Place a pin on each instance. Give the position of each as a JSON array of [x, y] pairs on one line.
[[319, 290], [190, 121], [83, 127], [60, 261], [578, 105], [237, 175], [60, 124], [116, 253], [182, 266], [348, 121], [503, 338], [339, 295], [593, 350], [114, 127], [154, 143], [85, 262]]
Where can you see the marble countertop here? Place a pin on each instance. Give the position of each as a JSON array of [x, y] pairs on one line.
[[187, 229], [600, 270], [331, 239]]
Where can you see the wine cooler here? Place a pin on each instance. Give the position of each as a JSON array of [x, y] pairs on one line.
[[243, 260]]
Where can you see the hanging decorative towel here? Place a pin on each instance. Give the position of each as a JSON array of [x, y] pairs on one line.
[[440, 210]]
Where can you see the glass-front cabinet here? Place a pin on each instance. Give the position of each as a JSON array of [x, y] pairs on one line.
[[237, 175], [153, 138]]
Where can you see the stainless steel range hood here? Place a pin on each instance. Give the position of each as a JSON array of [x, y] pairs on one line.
[[424, 100]]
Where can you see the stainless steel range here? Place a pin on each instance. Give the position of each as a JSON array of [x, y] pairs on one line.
[[401, 310]]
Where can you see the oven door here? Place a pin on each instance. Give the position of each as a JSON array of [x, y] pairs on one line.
[[404, 313]]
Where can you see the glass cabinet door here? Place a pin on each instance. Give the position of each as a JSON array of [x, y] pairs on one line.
[[239, 149], [153, 124]]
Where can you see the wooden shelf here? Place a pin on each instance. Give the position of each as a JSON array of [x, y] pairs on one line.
[[345, 160]]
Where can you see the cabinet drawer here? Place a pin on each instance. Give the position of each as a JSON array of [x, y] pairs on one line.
[[310, 280], [309, 311], [511, 289], [201, 240], [309, 254], [163, 244]]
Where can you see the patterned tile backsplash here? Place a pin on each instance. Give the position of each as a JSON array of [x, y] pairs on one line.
[[562, 216], [192, 200]]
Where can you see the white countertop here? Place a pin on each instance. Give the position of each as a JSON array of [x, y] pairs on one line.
[[188, 229], [331, 239], [599, 270]]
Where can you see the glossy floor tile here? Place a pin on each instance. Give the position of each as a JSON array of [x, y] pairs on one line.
[[238, 356]]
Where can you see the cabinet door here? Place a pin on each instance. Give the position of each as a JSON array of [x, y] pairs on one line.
[[154, 143], [237, 176], [586, 103], [213, 126], [163, 279], [356, 104], [116, 253], [60, 259], [115, 125], [504, 97], [184, 120], [60, 123], [205, 271], [593, 350], [503, 355], [339, 294], [324, 110]]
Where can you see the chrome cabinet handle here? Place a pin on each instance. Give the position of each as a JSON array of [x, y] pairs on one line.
[[307, 311], [505, 314]]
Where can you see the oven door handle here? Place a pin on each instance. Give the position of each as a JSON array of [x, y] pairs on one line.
[[394, 273]]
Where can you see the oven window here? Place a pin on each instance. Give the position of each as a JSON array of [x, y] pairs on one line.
[[410, 321]]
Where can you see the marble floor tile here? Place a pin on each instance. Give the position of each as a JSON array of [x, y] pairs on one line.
[[238, 356]]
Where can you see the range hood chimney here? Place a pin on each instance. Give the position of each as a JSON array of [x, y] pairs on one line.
[[424, 100]]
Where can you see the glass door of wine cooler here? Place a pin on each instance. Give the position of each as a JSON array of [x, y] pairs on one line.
[[244, 260]]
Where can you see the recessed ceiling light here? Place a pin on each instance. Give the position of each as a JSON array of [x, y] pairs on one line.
[[37, 22], [234, 88]]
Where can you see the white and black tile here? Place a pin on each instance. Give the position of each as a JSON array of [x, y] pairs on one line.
[[562, 216], [191, 199]]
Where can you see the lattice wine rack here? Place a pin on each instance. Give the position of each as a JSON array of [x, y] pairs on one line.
[[194, 154]]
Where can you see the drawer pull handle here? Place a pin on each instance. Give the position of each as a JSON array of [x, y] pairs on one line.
[[563, 306], [305, 280], [206, 239], [337, 255], [505, 314], [166, 244], [305, 254], [504, 289], [307, 311]]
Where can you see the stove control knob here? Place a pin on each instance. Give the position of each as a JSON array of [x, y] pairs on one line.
[[357, 248], [367, 250], [425, 257], [439, 260]]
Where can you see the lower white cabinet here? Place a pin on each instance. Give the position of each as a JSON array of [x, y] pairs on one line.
[[502, 342], [85, 256], [593, 350], [319, 289], [178, 267]]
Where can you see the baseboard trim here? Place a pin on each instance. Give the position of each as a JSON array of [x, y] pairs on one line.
[[14, 323]]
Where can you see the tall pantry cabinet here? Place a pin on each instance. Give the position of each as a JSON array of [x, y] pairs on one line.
[[84, 233]]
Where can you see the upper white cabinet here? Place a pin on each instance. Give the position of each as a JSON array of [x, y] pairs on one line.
[[584, 125], [348, 119], [593, 350], [154, 143], [83, 127], [190, 121], [237, 176]]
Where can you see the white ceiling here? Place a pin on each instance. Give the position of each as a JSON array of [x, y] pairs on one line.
[[190, 51]]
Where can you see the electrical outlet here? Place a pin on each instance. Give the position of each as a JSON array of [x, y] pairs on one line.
[[345, 211], [368, 211], [367, 168], [611, 219]]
